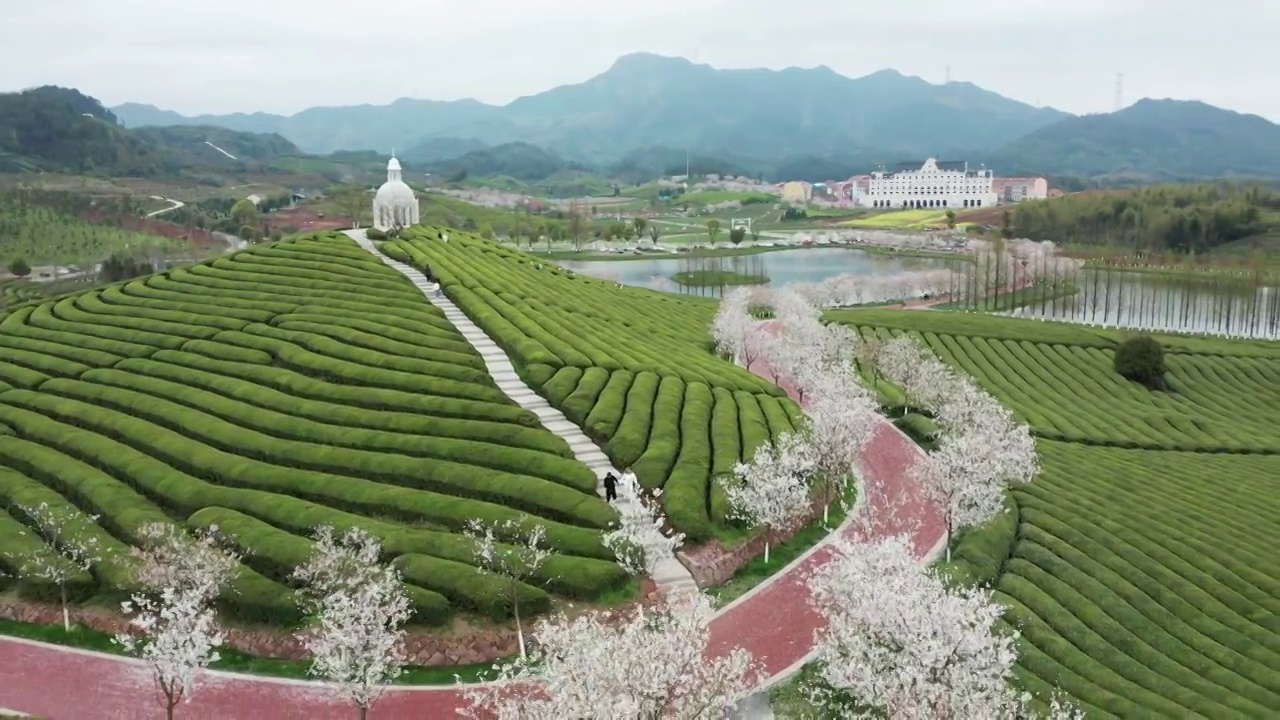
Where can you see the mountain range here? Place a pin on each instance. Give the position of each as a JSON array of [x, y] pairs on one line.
[[639, 118]]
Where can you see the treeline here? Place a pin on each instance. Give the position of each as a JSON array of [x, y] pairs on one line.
[[1178, 218]]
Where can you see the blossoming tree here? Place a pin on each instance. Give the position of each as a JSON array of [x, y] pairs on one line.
[[773, 490], [639, 541], [649, 663], [63, 550], [174, 627], [357, 606], [899, 639], [513, 551]]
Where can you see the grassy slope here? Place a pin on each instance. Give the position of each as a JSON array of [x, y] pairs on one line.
[[281, 388], [632, 366], [1140, 567]]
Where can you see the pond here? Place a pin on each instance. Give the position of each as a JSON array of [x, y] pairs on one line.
[[1231, 306], [780, 268]]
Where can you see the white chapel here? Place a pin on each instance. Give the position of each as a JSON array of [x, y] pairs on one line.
[[395, 205]]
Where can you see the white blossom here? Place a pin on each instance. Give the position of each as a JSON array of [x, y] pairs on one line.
[[357, 606], [174, 628], [639, 541], [519, 558], [773, 490], [650, 663], [902, 641], [64, 549]]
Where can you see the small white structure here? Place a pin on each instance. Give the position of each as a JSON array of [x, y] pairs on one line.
[[395, 205], [1017, 189], [934, 185]]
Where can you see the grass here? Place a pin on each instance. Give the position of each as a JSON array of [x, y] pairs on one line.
[[900, 219], [631, 366], [235, 661], [285, 387], [757, 571], [715, 197], [1139, 566], [717, 278], [1031, 295]]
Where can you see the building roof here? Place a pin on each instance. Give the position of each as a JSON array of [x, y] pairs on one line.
[[942, 165]]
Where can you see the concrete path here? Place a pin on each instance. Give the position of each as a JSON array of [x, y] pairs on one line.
[[669, 574]]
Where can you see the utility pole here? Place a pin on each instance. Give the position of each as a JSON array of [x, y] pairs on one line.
[[1119, 92]]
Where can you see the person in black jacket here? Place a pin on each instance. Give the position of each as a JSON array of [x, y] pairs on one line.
[[610, 487]]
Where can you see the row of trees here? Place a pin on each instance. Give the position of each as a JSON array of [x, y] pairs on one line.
[[1181, 218], [899, 639]]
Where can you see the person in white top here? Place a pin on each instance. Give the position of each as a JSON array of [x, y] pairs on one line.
[[630, 482]]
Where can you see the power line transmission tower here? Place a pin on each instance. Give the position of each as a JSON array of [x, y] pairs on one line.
[[1119, 92]]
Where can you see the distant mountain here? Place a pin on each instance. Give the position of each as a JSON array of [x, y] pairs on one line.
[[323, 130], [649, 100], [1149, 141], [60, 129], [434, 149], [521, 161]]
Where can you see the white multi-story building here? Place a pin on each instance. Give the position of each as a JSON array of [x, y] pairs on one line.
[[931, 185]]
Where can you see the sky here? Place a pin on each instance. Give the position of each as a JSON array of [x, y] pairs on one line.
[[287, 55]]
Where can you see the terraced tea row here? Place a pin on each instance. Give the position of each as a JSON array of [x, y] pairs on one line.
[[282, 388], [1143, 577], [634, 368], [1146, 581], [1064, 391]]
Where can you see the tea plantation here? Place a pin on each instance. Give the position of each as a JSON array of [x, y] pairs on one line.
[[278, 389], [1141, 566], [633, 367]]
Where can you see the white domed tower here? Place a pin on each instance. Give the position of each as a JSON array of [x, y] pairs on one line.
[[395, 205]]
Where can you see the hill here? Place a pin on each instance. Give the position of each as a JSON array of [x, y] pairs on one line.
[[647, 100], [1152, 140], [631, 366], [1136, 567], [284, 387], [59, 129], [518, 160]]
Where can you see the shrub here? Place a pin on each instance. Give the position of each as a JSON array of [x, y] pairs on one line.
[[1141, 359]]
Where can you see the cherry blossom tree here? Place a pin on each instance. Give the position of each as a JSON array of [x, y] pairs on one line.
[[640, 541], [174, 628], [773, 490], [511, 550], [357, 606], [64, 549], [650, 663], [900, 639]]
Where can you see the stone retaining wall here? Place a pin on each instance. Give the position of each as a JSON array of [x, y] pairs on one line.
[[713, 564]]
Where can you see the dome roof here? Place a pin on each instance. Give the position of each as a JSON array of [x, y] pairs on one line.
[[395, 192], [393, 164]]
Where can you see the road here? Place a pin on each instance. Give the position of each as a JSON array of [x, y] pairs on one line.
[[174, 205]]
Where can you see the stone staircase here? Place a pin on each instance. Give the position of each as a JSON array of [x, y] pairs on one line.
[[668, 574]]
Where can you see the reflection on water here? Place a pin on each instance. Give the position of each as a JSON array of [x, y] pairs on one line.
[[782, 267], [1232, 306]]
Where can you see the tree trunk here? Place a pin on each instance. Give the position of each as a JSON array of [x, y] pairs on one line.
[[766, 552], [826, 508], [66, 618], [519, 630], [364, 712]]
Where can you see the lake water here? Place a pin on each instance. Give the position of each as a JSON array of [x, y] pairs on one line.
[[1236, 307], [782, 267]]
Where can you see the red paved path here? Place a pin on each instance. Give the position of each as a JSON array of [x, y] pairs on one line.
[[774, 622]]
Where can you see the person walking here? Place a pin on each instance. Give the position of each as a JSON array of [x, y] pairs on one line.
[[630, 482], [610, 487]]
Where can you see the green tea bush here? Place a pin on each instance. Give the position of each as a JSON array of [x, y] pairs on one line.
[[285, 387]]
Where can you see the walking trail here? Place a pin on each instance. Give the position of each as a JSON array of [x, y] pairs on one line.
[[773, 621]]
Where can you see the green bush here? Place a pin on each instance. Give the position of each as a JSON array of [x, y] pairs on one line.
[[1141, 359]]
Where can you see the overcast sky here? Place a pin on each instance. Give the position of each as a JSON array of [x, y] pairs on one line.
[[286, 55]]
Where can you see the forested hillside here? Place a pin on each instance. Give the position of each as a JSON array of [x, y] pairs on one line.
[[1187, 218], [59, 129]]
